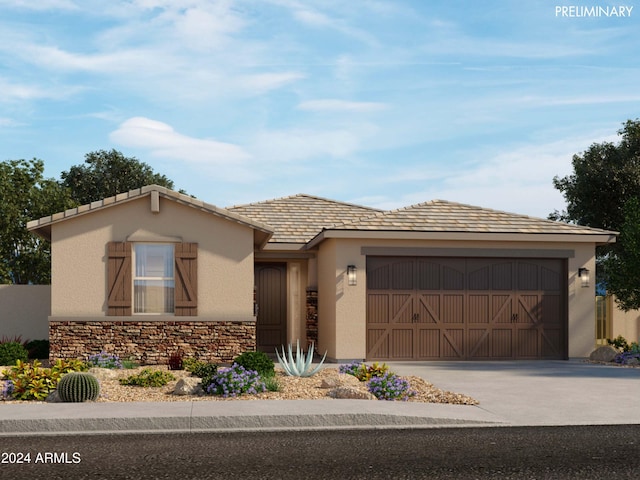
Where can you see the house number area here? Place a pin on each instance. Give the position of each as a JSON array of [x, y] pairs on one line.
[[40, 457]]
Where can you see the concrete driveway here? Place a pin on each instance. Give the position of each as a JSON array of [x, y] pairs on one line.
[[540, 392]]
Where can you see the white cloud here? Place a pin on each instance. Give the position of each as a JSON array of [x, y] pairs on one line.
[[323, 105], [162, 141], [263, 82], [10, 92]]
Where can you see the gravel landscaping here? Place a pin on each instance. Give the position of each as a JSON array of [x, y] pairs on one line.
[[291, 388]]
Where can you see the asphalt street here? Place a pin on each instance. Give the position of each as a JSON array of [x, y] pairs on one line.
[[574, 452]]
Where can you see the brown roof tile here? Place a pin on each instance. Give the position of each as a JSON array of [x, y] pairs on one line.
[[299, 218], [443, 216]]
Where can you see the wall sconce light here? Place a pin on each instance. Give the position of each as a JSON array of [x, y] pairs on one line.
[[583, 275], [352, 278]]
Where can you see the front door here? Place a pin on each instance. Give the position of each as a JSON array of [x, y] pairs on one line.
[[271, 299]]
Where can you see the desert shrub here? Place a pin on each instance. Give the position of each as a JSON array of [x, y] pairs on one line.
[[364, 372], [234, 381], [619, 342], [271, 384], [104, 360], [69, 365], [38, 348], [29, 381], [258, 361], [128, 364], [390, 387], [10, 352], [204, 370], [148, 378]]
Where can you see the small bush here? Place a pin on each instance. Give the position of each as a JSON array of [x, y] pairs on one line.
[[390, 387], [129, 364], [29, 381], [350, 368], [234, 381], [38, 349], [620, 343], [258, 361], [175, 361], [363, 372], [271, 384], [10, 352], [205, 370], [148, 378], [71, 365], [105, 360]]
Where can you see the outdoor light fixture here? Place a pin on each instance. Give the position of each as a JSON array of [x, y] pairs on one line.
[[583, 274], [351, 275]]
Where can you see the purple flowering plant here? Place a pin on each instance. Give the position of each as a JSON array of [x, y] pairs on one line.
[[105, 360], [234, 381], [7, 390], [350, 368], [390, 387]]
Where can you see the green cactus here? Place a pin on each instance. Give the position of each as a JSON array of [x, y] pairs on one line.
[[78, 387]]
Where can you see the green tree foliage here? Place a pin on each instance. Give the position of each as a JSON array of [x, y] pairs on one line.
[[622, 266], [604, 177], [107, 173], [26, 195], [602, 192]]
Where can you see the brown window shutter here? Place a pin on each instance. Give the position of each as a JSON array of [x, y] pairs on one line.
[[186, 286], [119, 278]]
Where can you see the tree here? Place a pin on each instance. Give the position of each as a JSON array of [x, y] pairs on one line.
[[602, 193], [604, 177], [26, 195], [622, 267], [105, 174]]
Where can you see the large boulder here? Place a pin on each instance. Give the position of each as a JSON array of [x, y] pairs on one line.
[[188, 386], [605, 353]]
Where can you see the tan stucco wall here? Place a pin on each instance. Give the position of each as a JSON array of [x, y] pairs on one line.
[[623, 323], [225, 257], [343, 325], [24, 310]]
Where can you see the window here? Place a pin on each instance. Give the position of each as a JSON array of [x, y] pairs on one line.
[[153, 279]]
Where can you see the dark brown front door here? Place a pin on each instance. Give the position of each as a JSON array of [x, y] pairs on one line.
[[456, 308], [271, 298]]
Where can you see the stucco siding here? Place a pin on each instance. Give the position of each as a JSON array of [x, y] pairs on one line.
[[225, 257], [24, 310]]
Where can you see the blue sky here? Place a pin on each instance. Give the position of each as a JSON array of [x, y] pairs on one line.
[[382, 103]]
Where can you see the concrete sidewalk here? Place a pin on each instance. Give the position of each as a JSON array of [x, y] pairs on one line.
[[510, 393]]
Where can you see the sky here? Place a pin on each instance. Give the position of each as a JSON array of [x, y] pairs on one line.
[[384, 103]]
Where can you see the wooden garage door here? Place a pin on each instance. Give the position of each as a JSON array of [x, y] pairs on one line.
[[457, 308]]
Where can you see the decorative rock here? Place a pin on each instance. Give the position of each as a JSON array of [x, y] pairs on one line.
[[103, 373], [351, 393], [633, 362], [606, 353], [53, 397], [341, 380], [188, 386]]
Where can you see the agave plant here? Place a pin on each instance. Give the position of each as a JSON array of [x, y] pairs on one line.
[[298, 365]]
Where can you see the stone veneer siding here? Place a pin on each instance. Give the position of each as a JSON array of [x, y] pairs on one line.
[[312, 317], [152, 342]]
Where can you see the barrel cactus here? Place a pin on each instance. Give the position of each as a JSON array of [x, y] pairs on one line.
[[78, 387]]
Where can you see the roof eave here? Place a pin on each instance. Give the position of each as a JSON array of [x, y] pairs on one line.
[[597, 238]]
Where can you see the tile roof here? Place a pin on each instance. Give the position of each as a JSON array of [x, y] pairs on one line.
[[443, 216], [299, 218]]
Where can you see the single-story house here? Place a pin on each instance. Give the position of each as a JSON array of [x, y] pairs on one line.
[[152, 272]]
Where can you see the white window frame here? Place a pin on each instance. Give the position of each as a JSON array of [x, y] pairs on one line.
[[161, 279]]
